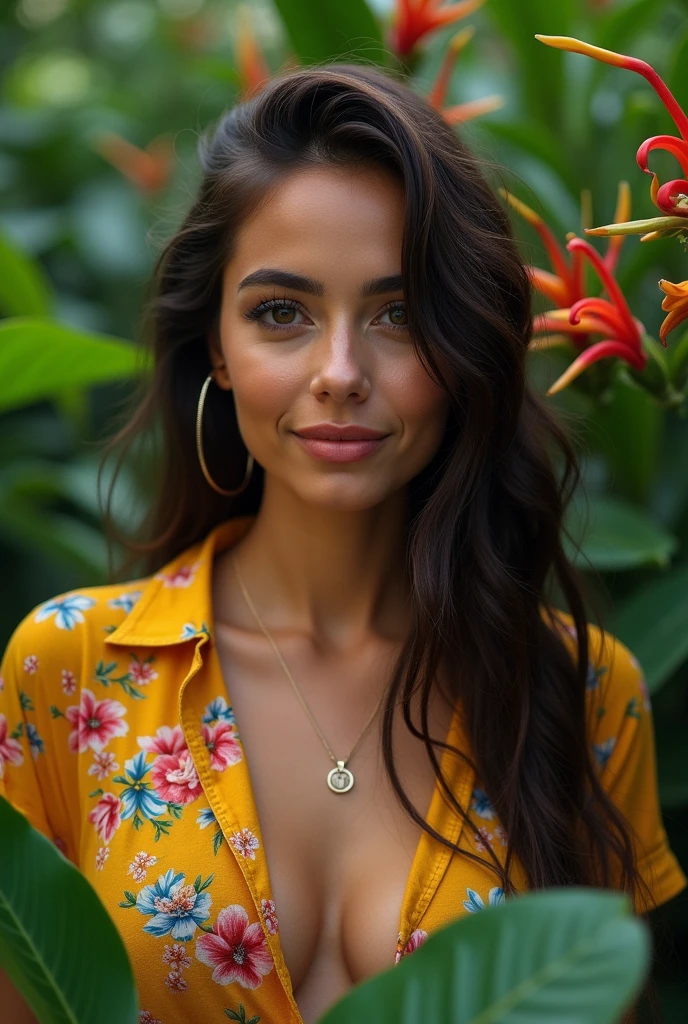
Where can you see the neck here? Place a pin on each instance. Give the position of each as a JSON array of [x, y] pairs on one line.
[[336, 575]]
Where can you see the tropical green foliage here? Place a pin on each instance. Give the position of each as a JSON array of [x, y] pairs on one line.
[[568, 954], [100, 108]]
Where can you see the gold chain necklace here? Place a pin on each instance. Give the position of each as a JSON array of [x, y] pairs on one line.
[[340, 779]]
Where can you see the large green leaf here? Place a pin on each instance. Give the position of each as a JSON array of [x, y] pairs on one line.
[[39, 358], [616, 535], [565, 955], [24, 289], [541, 68], [58, 944], [321, 30], [654, 622]]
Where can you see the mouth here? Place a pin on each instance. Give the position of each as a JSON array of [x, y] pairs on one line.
[[332, 449]]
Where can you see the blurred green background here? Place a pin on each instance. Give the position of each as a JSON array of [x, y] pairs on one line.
[[100, 110]]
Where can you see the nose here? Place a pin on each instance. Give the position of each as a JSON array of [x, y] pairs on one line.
[[339, 370]]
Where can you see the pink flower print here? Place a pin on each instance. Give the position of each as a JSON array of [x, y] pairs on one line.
[[245, 842], [175, 981], [61, 845], [10, 749], [235, 949], [483, 840], [101, 857], [95, 722], [175, 778], [141, 672], [416, 939], [165, 741], [140, 864], [31, 664], [181, 577], [176, 955], [2, 684], [68, 682], [106, 816], [500, 833], [269, 916], [222, 740], [145, 1017], [103, 765]]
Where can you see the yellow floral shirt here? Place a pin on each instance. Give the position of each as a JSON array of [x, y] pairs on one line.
[[118, 742]]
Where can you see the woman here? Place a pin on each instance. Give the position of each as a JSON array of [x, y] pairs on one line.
[[343, 708]]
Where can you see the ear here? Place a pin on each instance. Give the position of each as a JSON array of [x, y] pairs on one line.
[[217, 359]]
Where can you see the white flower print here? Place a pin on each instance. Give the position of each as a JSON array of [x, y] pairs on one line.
[[245, 842], [181, 577], [176, 956], [483, 840], [31, 664], [175, 982], [139, 866], [501, 835], [68, 682], [146, 1017], [103, 765], [142, 673], [67, 610], [102, 856], [125, 601], [269, 915], [475, 901]]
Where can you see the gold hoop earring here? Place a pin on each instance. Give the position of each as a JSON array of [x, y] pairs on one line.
[[199, 447]]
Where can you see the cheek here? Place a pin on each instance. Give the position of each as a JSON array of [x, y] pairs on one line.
[[268, 387], [420, 404]]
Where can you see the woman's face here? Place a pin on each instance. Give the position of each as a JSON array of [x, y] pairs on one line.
[[321, 338]]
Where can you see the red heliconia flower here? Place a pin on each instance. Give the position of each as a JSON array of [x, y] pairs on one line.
[[252, 66], [610, 316], [462, 111], [672, 197], [414, 19], [566, 285], [149, 169]]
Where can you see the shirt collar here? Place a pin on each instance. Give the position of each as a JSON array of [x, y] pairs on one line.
[[176, 603]]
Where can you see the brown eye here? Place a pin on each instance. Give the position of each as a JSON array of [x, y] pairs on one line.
[[398, 317], [282, 314]]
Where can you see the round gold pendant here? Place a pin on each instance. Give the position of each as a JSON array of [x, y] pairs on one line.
[[340, 779]]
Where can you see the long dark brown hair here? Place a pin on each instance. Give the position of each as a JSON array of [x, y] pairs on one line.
[[485, 531]]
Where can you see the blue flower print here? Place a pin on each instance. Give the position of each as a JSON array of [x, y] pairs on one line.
[[138, 795], [480, 803], [475, 902], [177, 909], [219, 710], [206, 817], [35, 742], [603, 751], [190, 630], [125, 601], [67, 610], [592, 681]]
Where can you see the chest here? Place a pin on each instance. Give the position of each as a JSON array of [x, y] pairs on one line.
[[339, 864]]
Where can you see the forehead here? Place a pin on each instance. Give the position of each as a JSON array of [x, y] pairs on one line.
[[324, 215]]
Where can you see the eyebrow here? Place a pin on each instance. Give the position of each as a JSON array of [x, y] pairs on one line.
[[285, 279]]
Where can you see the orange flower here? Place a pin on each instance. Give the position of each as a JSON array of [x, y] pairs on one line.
[[149, 169], [675, 303], [252, 66], [414, 19], [462, 111], [672, 197]]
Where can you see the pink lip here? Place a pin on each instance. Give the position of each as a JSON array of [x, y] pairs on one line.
[[340, 451], [339, 432]]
